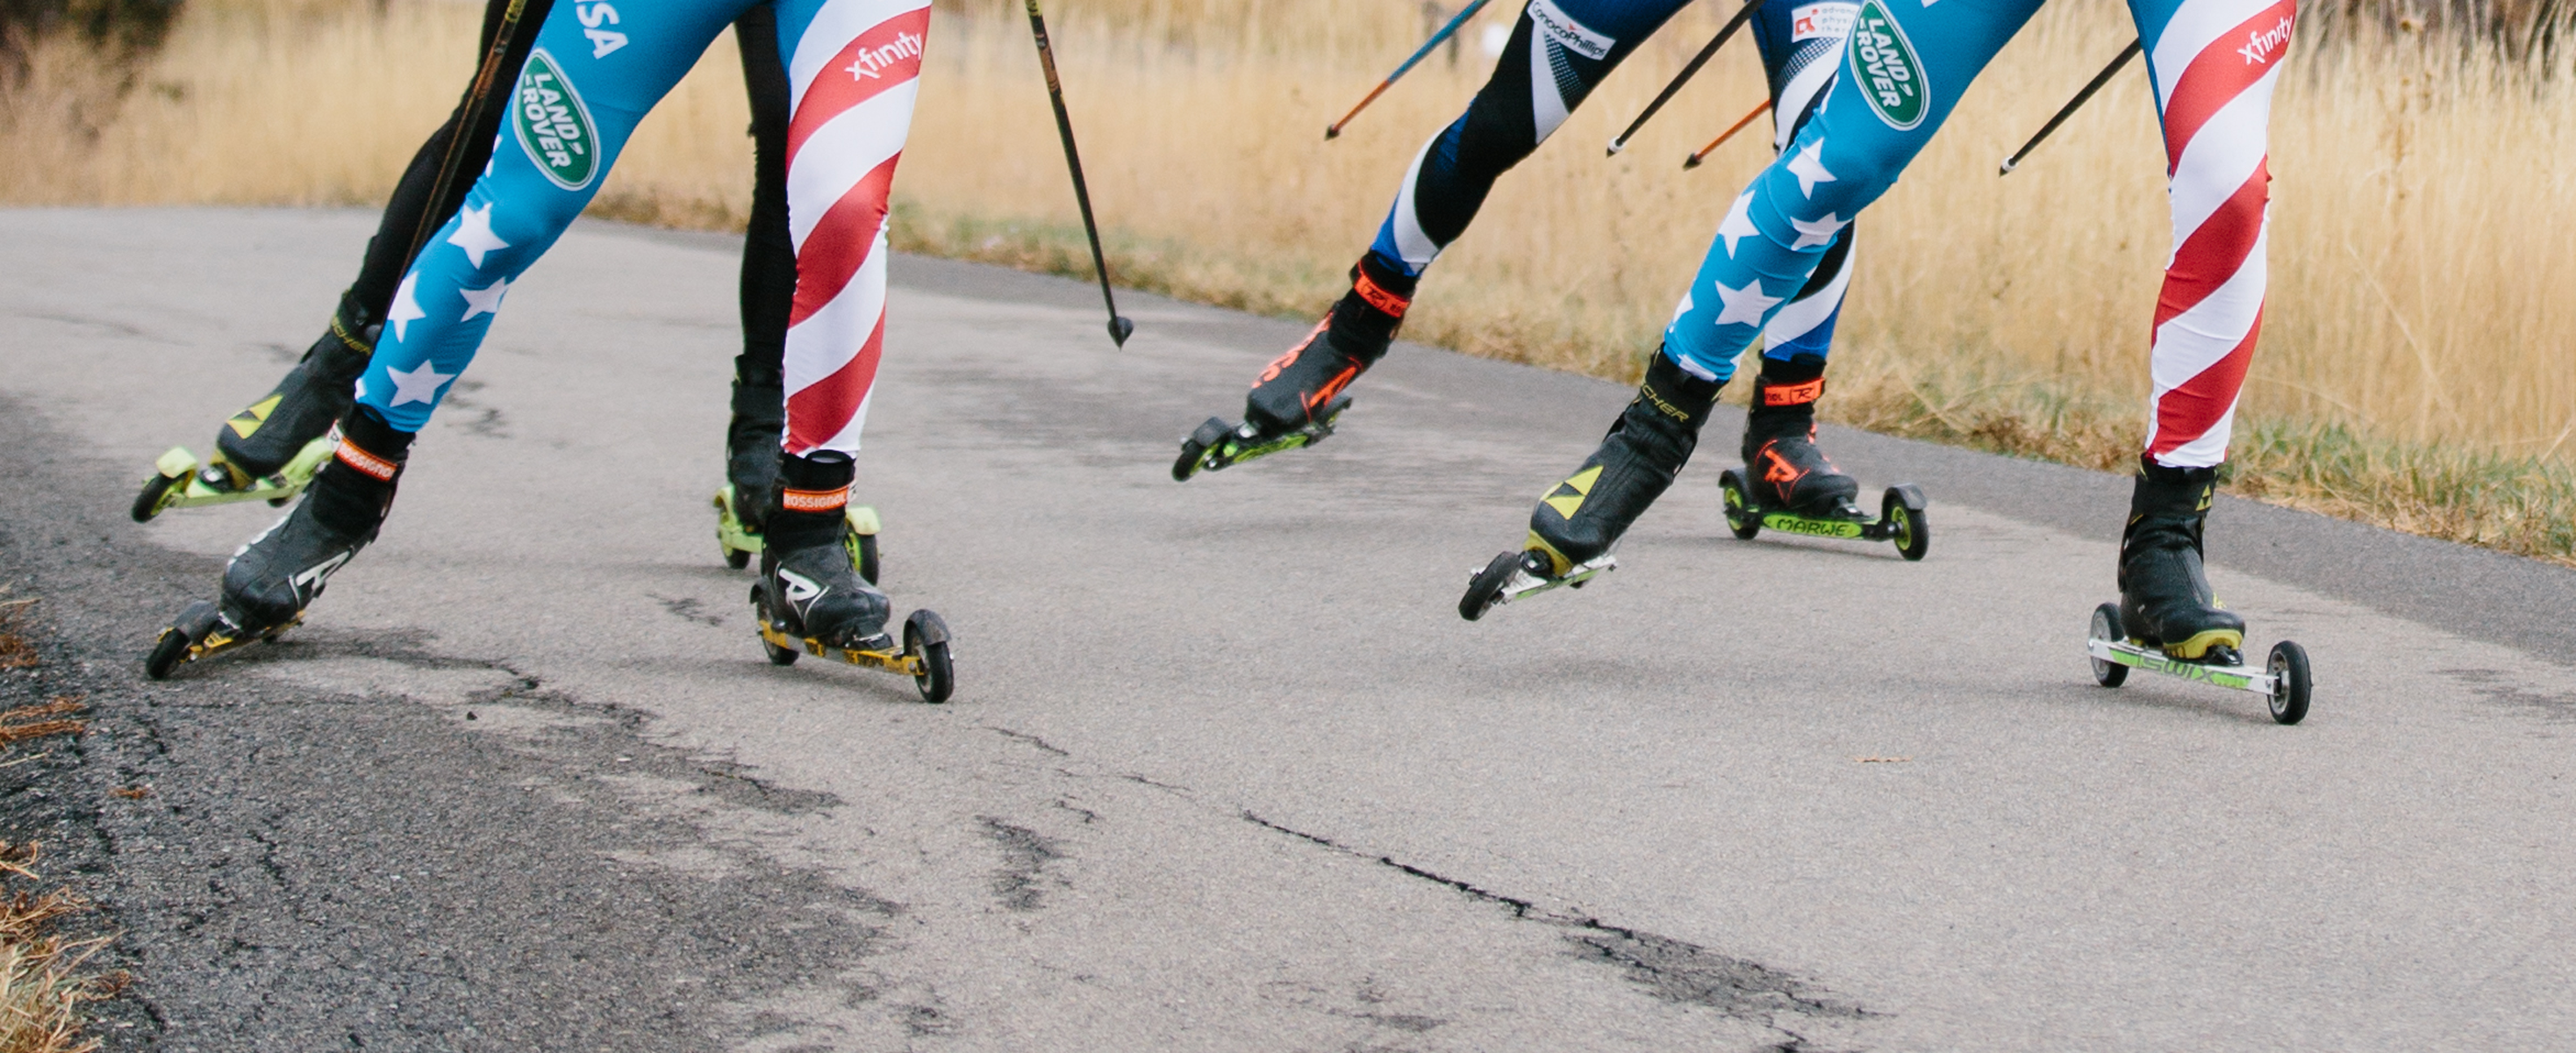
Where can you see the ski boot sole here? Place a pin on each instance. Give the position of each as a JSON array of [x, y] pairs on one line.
[[201, 631], [923, 655], [739, 545], [1900, 520], [2284, 682], [1509, 577], [179, 480], [1217, 445]]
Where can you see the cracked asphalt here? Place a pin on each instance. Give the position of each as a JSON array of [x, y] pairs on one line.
[[1224, 770]]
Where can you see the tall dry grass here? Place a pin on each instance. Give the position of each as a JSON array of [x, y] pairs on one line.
[[2422, 319]]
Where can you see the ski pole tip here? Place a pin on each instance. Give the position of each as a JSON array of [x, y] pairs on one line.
[[2006, 169], [1690, 162], [1333, 131], [1615, 147], [1120, 329]]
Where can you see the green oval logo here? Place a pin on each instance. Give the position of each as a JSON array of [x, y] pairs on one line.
[[1885, 70], [554, 126]]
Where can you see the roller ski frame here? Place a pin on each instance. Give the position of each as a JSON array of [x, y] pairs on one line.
[[1900, 518], [2284, 682], [1513, 575], [923, 655], [179, 480], [1217, 445], [202, 630], [740, 545]]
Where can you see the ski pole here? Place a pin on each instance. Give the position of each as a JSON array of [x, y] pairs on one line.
[[478, 103], [1119, 326], [2099, 79], [1729, 133], [1689, 71], [1442, 34]]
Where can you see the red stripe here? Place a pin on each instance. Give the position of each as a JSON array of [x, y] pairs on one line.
[[2217, 250], [2189, 411], [839, 245], [820, 410], [2221, 72], [887, 55]]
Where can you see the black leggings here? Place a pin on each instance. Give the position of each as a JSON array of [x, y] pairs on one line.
[[768, 257]]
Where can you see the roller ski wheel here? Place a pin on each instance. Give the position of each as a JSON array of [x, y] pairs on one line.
[[1513, 575], [202, 630], [1900, 520], [923, 655], [739, 544], [2284, 682], [1216, 445], [178, 480]]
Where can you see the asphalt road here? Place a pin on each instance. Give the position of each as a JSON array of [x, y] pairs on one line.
[[1225, 770]]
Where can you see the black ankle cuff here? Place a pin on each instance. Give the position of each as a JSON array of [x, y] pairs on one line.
[[363, 428], [2163, 491], [1391, 279], [1676, 392]]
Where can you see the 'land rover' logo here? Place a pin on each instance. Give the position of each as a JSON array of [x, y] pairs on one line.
[[554, 126], [1887, 72]]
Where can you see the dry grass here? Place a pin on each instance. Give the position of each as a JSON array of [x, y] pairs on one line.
[[16, 651], [44, 977], [2422, 313]]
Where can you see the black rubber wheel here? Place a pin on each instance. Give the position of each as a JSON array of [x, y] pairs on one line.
[[167, 653], [171, 650], [2106, 626], [868, 565], [1201, 440], [280, 502], [148, 503], [760, 610], [1740, 514], [736, 558], [2289, 668], [925, 636], [1487, 585], [1913, 531]]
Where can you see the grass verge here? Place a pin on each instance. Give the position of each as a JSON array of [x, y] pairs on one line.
[[46, 976]]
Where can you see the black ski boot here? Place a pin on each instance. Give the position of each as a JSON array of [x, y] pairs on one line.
[[268, 433], [751, 466], [1788, 473], [1575, 525], [810, 588], [272, 580], [1298, 397], [2165, 601], [270, 450]]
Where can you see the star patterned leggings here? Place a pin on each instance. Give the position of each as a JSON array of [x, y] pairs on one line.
[[853, 67], [2214, 63], [1557, 53]]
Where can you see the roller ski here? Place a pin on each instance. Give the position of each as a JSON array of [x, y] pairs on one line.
[[1298, 398], [1789, 485], [271, 581], [811, 597], [1574, 527], [2167, 620], [270, 450], [751, 473]]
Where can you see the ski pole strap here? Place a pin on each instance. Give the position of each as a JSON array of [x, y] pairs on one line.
[[814, 500]]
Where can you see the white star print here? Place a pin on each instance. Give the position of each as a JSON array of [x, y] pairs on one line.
[[1809, 167], [474, 235], [419, 385], [1739, 223], [1743, 305], [485, 300], [405, 307], [1820, 232]]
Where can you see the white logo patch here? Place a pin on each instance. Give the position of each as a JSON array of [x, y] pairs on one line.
[[1568, 33]]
